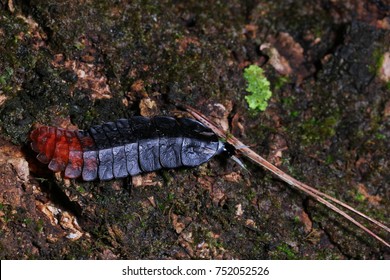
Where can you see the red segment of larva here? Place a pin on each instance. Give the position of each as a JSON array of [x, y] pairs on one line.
[[34, 138], [60, 148], [61, 152], [43, 142], [75, 163]]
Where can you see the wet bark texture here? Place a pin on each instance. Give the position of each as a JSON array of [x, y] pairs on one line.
[[75, 64]]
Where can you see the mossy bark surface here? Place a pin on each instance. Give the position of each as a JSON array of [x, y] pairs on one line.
[[81, 63]]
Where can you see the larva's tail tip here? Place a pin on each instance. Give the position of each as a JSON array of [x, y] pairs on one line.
[[34, 134]]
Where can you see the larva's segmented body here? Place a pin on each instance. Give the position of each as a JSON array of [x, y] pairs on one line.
[[125, 147]]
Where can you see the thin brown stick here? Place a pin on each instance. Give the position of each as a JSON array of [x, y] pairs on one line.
[[314, 193]]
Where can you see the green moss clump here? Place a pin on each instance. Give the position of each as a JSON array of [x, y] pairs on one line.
[[378, 58], [258, 86], [359, 197], [284, 249]]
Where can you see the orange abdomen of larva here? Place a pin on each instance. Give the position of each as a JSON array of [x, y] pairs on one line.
[[60, 148]]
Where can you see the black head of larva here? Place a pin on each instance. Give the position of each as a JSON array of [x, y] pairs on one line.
[[226, 150]]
